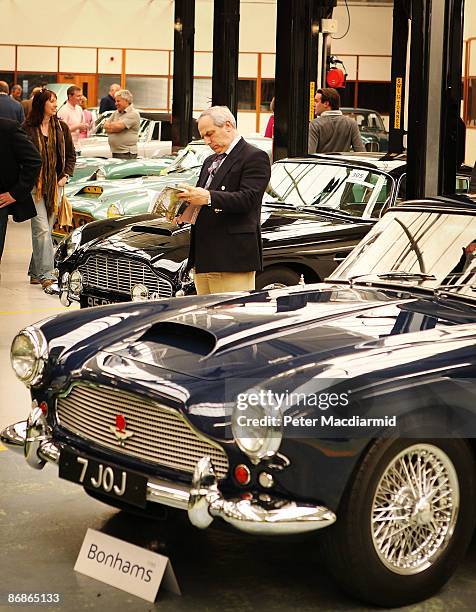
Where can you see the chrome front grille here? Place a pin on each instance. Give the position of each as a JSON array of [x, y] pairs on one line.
[[159, 435], [120, 274]]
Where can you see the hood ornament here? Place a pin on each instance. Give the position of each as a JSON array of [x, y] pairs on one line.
[[120, 430]]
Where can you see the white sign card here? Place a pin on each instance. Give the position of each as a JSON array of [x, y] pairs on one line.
[[125, 566]]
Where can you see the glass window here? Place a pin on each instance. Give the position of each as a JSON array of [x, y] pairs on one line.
[[246, 94], [8, 78], [29, 80], [104, 83], [148, 92], [347, 94], [376, 96], [202, 94], [267, 93]]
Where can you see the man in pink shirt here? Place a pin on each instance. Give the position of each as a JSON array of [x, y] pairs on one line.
[[72, 114]]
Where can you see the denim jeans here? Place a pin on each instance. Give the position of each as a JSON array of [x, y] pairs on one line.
[[42, 259]]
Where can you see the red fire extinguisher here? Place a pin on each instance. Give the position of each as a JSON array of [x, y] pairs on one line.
[[336, 76]]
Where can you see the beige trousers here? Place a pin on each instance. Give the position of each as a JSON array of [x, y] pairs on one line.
[[221, 282]]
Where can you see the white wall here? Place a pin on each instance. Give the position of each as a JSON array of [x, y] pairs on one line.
[[148, 24]]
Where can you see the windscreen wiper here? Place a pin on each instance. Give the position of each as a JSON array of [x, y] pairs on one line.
[[395, 275]]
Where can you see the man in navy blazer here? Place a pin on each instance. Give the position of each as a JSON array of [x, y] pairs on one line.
[[225, 245]]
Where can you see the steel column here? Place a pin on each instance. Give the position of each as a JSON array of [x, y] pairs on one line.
[[425, 136], [226, 31], [453, 128], [435, 137], [182, 93]]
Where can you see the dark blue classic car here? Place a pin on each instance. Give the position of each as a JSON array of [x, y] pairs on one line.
[[346, 406]]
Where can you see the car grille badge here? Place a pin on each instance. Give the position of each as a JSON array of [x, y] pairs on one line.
[[120, 430]]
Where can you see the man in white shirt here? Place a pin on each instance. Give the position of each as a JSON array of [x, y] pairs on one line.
[[72, 114]]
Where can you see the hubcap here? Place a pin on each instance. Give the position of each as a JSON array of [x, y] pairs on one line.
[[414, 509]]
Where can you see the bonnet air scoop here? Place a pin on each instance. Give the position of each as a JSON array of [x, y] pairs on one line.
[[181, 336], [151, 229]]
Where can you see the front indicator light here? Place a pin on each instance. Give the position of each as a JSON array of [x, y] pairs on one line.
[[28, 355], [242, 474]]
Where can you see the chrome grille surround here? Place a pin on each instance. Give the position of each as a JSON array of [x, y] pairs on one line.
[[161, 435], [120, 274]]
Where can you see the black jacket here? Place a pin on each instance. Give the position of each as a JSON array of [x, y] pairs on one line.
[[11, 109], [107, 104], [227, 235], [20, 165]]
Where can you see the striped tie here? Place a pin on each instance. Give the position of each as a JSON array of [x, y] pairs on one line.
[[212, 169]]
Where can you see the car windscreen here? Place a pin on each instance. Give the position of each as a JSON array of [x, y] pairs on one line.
[[101, 120], [350, 189], [189, 158], [407, 244], [367, 121]]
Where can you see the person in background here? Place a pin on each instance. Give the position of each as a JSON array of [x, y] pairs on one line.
[[108, 103], [19, 170], [53, 140], [331, 131], [16, 93], [87, 118], [72, 114], [269, 132], [10, 108], [122, 127], [27, 103]]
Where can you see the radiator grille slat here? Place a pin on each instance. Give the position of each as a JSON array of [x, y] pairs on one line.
[[120, 274], [159, 435]]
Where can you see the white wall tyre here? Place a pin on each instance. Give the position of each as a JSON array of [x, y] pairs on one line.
[[405, 521]]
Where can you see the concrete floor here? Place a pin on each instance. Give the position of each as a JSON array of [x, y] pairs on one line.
[[43, 520]]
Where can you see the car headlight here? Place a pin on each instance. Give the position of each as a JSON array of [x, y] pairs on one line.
[[73, 241], [28, 355], [114, 210], [256, 427], [75, 283], [100, 174]]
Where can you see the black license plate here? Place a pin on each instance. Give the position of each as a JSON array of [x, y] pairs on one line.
[[111, 480], [87, 301]]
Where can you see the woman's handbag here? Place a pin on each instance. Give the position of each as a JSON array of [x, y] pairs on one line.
[[65, 212]]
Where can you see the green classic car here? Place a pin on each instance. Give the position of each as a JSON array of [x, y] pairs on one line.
[[97, 168], [102, 199]]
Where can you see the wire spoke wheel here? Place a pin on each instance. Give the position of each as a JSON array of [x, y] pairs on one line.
[[414, 509]]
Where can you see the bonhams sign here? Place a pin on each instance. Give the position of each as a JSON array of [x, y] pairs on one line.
[[125, 566]]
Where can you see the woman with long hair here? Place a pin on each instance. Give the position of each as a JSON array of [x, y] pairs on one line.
[[53, 140]]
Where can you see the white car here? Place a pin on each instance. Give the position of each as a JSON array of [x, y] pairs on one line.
[[154, 136]]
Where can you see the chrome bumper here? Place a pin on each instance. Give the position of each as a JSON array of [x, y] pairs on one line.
[[261, 514]]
